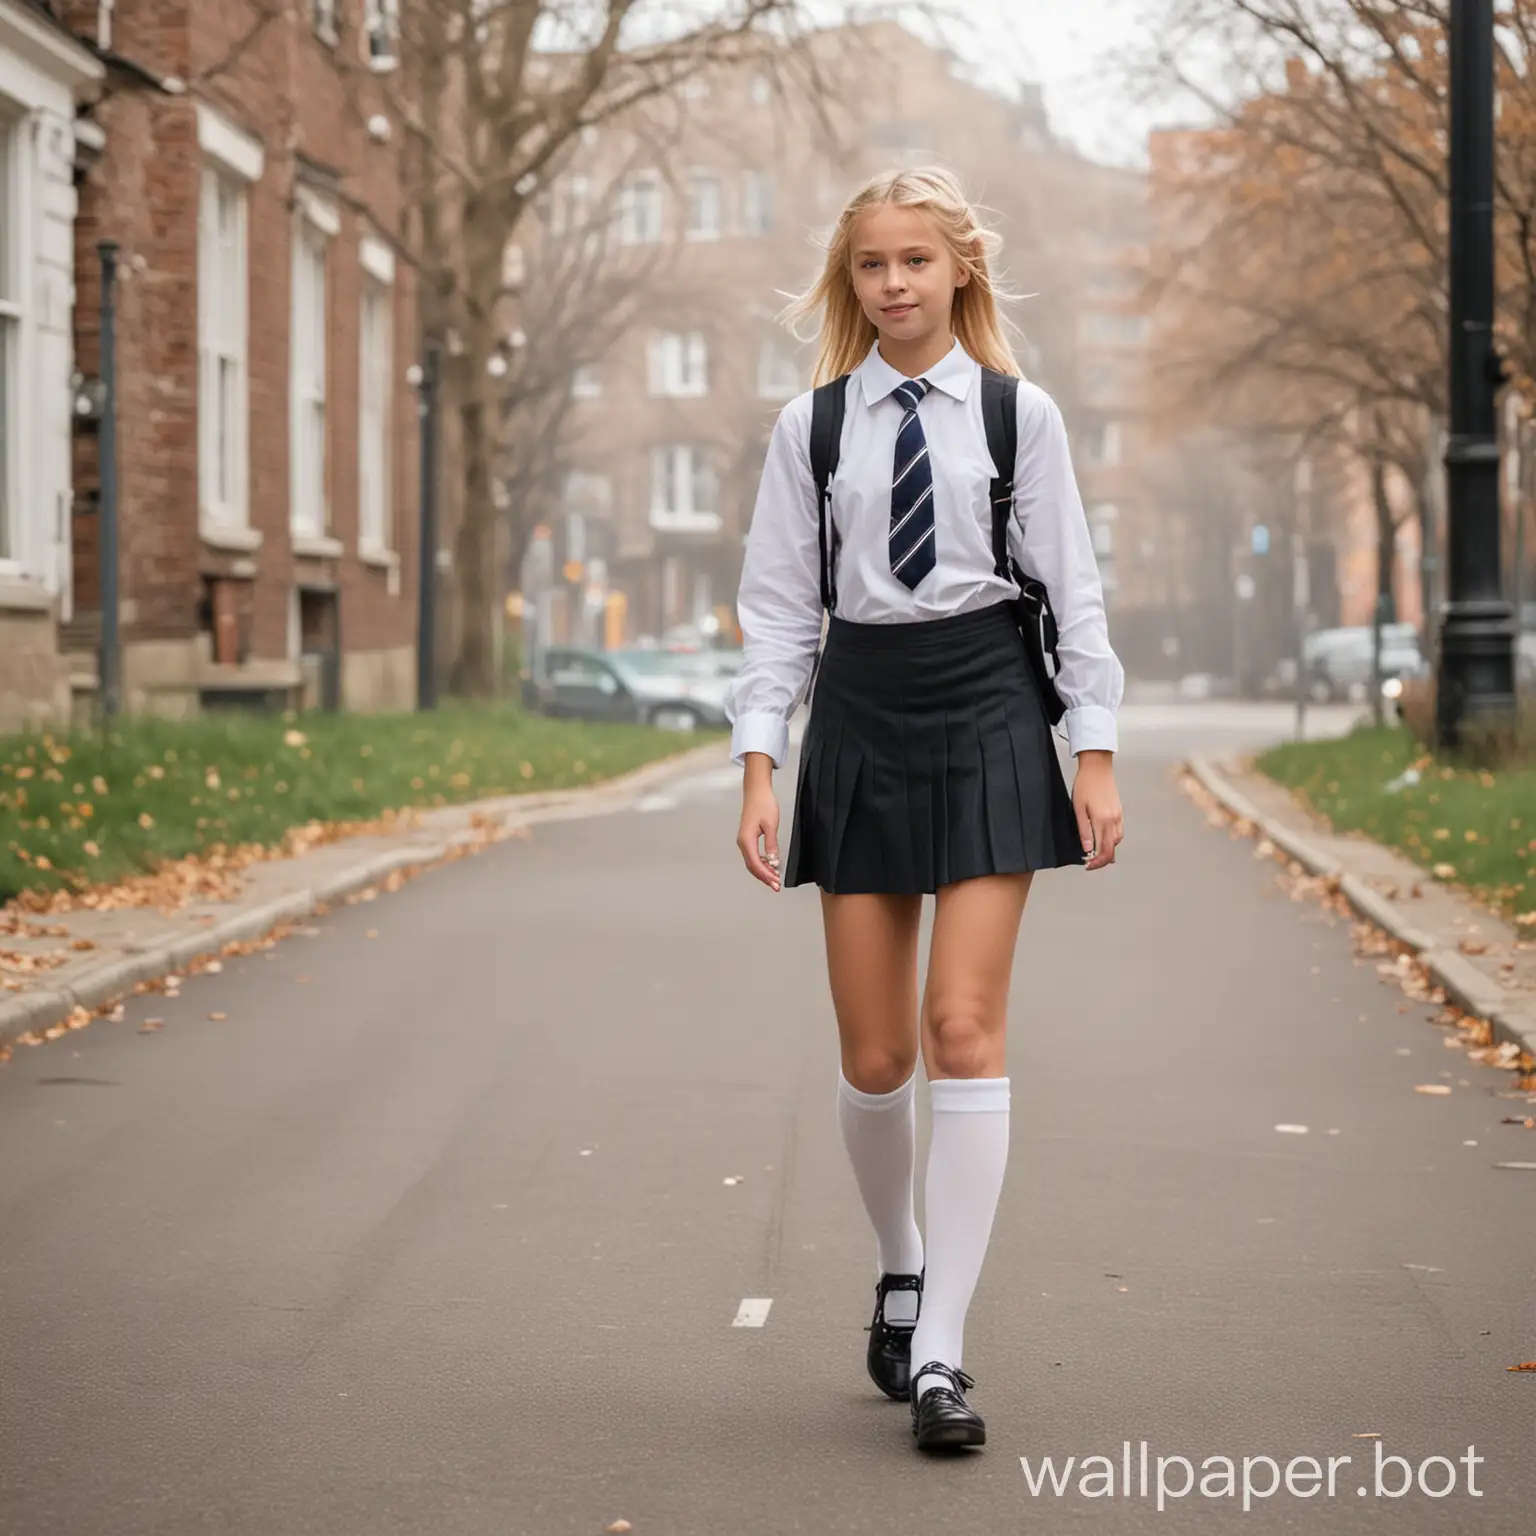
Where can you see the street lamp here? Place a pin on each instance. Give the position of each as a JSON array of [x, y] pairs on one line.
[[1477, 664]]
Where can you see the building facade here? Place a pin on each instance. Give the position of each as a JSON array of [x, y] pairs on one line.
[[249, 172], [44, 74], [668, 430]]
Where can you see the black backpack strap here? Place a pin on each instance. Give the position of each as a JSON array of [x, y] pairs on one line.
[[1000, 416], [828, 404]]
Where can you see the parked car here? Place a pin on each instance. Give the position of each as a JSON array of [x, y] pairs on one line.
[[673, 690], [1339, 660]]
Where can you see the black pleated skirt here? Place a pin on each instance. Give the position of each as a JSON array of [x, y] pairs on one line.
[[927, 760]]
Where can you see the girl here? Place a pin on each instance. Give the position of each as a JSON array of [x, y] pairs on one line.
[[928, 764]]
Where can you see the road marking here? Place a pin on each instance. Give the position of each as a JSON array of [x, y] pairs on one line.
[[753, 1312], [1292, 1130]]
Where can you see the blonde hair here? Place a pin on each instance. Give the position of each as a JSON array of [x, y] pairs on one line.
[[847, 333]]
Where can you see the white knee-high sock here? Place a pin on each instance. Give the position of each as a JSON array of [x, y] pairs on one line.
[[880, 1133], [966, 1159]]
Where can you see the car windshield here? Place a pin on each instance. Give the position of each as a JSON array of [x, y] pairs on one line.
[[665, 663]]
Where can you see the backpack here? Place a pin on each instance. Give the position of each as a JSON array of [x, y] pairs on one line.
[[999, 414]]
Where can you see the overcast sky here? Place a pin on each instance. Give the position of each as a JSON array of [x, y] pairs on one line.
[[1075, 48]]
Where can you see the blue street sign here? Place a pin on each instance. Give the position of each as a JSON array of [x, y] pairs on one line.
[[1260, 539]]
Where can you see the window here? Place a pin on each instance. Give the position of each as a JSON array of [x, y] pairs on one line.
[[587, 382], [381, 33], [588, 494], [684, 491], [573, 211], [640, 210], [307, 435], [1101, 524], [756, 203], [376, 369], [323, 15], [1101, 445], [704, 206], [10, 349], [222, 301], [778, 370], [1112, 329], [679, 365]]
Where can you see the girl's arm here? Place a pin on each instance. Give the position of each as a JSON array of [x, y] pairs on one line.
[[1050, 540], [779, 602]]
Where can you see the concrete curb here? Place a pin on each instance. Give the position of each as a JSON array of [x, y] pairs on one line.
[[1510, 1015], [115, 979]]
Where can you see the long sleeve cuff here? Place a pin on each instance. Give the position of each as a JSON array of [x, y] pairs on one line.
[[1092, 728], [760, 731]]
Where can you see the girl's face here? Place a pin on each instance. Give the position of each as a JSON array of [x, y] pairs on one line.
[[904, 273]]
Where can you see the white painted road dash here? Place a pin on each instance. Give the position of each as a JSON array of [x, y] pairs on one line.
[[753, 1312]]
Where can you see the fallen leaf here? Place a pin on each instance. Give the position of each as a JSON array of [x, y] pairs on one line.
[[619, 1526], [1444, 871], [218, 1018], [1471, 946], [149, 1026], [1430, 1088], [1525, 1365]]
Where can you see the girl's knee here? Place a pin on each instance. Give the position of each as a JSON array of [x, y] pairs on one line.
[[961, 1042], [878, 1068]]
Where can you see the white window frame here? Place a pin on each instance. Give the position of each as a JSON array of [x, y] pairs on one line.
[[778, 370], [641, 218], [375, 403], [15, 328], [685, 489], [757, 202], [586, 382], [232, 161], [323, 18], [315, 226], [706, 213], [677, 365], [381, 35]]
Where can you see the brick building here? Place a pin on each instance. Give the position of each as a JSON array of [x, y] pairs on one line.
[[44, 73], [249, 170]]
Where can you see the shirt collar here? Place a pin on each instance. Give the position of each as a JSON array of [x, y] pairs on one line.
[[952, 373]]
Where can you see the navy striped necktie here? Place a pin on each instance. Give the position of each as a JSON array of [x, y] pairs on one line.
[[912, 535]]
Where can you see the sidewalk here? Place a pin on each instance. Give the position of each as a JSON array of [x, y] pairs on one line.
[[57, 972], [1485, 965]]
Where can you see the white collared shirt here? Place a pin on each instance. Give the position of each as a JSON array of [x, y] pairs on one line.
[[779, 604]]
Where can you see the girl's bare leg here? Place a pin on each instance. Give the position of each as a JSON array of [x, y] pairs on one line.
[[964, 1034], [872, 962]]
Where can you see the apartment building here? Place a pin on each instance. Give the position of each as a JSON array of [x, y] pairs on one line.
[[668, 430], [44, 75], [249, 171]]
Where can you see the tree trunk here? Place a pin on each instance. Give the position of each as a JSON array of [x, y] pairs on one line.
[[1386, 560], [473, 674]]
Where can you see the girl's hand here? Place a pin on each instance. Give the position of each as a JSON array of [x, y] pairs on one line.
[[758, 838], [1100, 822]]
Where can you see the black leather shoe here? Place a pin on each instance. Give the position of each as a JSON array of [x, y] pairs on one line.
[[890, 1345], [941, 1417]]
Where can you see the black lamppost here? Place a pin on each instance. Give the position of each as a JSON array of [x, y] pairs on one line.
[[1477, 665]]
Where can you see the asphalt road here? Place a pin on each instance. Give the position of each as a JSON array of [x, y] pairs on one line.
[[433, 1234]]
